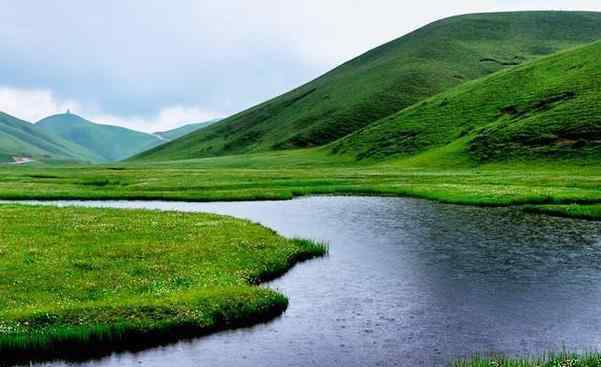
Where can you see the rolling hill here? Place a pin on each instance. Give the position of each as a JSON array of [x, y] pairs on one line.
[[108, 143], [388, 79], [547, 109], [19, 138], [184, 130]]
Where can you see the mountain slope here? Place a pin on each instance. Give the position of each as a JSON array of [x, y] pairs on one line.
[[109, 143], [387, 79], [184, 130], [22, 139], [550, 108]]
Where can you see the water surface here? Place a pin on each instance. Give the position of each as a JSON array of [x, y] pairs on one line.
[[408, 283]]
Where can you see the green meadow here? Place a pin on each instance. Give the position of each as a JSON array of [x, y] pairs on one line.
[[115, 279], [204, 180], [484, 110], [564, 360], [130, 279]]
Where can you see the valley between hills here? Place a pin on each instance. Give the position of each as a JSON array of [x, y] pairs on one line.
[[487, 110]]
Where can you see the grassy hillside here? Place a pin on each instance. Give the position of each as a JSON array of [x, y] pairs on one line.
[[109, 143], [387, 79], [184, 130], [549, 108], [20, 138]]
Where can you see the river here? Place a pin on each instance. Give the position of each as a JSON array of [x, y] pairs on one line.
[[409, 283]]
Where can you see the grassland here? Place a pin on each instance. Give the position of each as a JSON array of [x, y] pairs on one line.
[[159, 293], [565, 360], [388, 79], [590, 212], [222, 179], [524, 136], [118, 279], [124, 287]]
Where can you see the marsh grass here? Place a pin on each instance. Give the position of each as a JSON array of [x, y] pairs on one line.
[[589, 212], [79, 283], [114, 299], [537, 182], [551, 360]]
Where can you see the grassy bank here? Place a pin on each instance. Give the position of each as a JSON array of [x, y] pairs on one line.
[[492, 185], [589, 212], [121, 279], [565, 360], [118, 286]]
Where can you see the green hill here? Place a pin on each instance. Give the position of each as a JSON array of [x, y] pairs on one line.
[[184, 130], [387, 79], [20, 138], [550, 108], [109, 143]]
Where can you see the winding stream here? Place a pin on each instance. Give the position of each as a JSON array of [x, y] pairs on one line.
[[407, 282]]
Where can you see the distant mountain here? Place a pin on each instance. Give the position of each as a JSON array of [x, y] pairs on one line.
[[388, 79], [19, 138], [184, 130], [108, 143], [72, 138], [546, 109]]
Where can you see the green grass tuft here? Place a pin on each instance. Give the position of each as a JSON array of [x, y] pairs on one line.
[[561, 360], [589, 212]]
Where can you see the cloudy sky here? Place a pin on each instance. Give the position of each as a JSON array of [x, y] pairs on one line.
[[153, 65]]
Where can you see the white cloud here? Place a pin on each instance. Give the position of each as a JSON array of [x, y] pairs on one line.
[[182, 60], [34, 104], [167, 119], [332, 32], [327, 33], [588, 5]]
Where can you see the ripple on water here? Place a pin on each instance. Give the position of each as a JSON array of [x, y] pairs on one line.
[[409, 282]]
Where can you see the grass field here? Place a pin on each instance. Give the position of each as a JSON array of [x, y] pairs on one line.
[[484, 109], [565, 360], [590, 212], [222, 179], [92, 310], [120, 279], [535, 145]]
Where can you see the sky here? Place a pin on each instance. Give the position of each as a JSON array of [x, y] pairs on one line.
[[154, 65]]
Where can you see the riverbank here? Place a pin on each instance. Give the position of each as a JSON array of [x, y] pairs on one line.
[[588, 212], [568, 190], [565, 360], [224, 180], [390, 254], [127, 279]]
